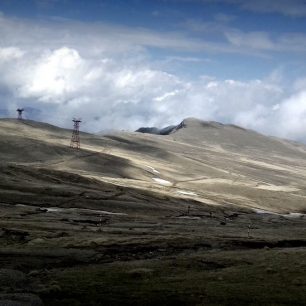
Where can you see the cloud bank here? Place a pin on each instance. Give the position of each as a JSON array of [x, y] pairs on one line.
[[105, 74]]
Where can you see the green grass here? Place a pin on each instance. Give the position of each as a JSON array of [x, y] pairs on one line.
[[257, 277]]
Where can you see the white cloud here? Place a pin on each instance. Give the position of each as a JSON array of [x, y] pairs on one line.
[[100, 36], [106, 77], [53, 75], [291, 117], [10, 53], [248, 42], [254, 40]]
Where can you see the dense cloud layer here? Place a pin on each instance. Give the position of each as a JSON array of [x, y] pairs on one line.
[[63, 69]]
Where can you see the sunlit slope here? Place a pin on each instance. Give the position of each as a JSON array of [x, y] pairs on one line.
[[202, 162], [228, 164]]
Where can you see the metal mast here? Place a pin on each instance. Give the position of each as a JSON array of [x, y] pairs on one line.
[[75, 139], [19, 112]]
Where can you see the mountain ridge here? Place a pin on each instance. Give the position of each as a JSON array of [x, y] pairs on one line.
[[215, 162]]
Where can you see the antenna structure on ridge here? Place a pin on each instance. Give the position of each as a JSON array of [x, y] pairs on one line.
[[75, 138], [19, 112]]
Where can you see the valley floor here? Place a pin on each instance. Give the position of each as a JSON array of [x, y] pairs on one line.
[[188, 256]]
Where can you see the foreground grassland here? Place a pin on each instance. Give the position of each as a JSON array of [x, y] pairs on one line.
[[75, 257]]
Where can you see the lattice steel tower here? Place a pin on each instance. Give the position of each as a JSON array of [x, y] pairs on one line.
[[75, 139], [19, 112]]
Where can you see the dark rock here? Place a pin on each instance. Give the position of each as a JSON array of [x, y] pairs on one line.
[[20, 299], [14, 234], [164, 131], [11, 278], [43, 210]]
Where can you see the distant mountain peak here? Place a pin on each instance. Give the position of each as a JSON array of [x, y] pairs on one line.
[[194, 122], [186, 123], [156, 131]]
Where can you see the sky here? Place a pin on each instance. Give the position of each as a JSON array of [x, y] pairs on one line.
[[126, 64]]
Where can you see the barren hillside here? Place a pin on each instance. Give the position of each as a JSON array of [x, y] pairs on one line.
[[204, 161], [134, 218]]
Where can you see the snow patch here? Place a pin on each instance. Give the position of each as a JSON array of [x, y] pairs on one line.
[[277, 188], [54, 209], [101, 212], [289, 215], [189, 218], [295, 215], [187, 192], [152, 169], [261, 211], [161, 181]]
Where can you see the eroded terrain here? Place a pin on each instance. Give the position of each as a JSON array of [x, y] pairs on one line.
[[133, 219]]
